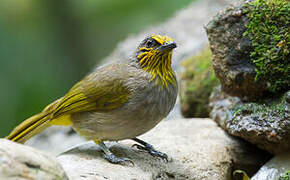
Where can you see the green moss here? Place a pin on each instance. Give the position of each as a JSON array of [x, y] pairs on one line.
[[263, 108], [286, 176], [269, 31], [199, 80], [199, 71]]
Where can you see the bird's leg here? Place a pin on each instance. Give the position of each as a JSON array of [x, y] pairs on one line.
[[149, 148], [109, 156]]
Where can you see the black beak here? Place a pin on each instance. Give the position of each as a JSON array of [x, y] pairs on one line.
[[167, 46]]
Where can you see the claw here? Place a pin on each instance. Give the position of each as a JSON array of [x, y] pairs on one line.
[[150, 149], [159, 154], [118, 160], [135, 145], [139, 147], [109, 156]]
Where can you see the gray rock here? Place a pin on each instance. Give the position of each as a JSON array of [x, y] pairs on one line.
[[265, 123], [19, 162], [198, 148], [231, 54], [275, 168]]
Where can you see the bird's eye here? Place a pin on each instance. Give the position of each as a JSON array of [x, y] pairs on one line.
[[149, 43]]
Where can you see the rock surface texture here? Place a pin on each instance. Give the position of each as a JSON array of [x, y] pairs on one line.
[[231, 54], [275, 168], [198, 149], [19, 162], [265, 123]]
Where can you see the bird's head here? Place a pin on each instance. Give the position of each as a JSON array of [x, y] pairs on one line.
[[154, 55]]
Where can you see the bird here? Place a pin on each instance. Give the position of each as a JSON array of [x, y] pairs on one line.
[[117, 101]]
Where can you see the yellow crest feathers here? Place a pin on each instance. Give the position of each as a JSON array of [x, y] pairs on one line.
[[155, 57]]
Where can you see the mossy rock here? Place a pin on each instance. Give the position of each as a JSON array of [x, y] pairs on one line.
[[197, 82], [265, 123], [250, 45], [269, 31]]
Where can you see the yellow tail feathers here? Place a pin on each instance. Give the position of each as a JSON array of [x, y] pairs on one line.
[[30, 127], [38, 123]]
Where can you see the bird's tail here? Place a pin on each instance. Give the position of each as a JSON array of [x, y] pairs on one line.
[[39, 122], [30, 127]]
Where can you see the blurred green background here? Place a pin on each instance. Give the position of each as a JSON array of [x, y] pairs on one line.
[[48, 45]]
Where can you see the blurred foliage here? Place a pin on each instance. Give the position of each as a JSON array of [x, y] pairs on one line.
[[47, 46], [197, 83], [286, 176]]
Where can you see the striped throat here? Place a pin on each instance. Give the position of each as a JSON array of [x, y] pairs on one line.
[[155, 56]]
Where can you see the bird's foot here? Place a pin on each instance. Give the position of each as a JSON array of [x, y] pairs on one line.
[[150, 149], [109, 156], [118, 160]]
